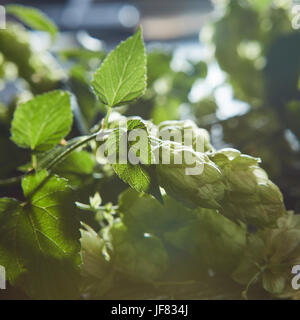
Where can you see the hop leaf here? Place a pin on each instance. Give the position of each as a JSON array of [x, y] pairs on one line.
[[39, 239], [33, 18], [42, 122], [140, 176], [75, 167], [122, 76]]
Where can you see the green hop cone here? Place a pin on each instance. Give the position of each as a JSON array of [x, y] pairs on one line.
[[250, 196], [97, 272], [142, 257], [270, 257], [239, 170], [185, 132], [38, 68], [260, 209], [213, 240], [143, 213], [197, 182]]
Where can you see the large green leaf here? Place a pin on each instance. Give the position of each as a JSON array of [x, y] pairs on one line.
[[39, 239], [76, 167], [141, 176], [122, 76], [42, 122], [33, 18]]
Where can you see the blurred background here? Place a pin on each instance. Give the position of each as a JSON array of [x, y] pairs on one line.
[[232, 66], [112, 20]]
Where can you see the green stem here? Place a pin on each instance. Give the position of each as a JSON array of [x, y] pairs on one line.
[[64, 154], [105, 123], [13, 180], [252, 281], [33, 160]]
